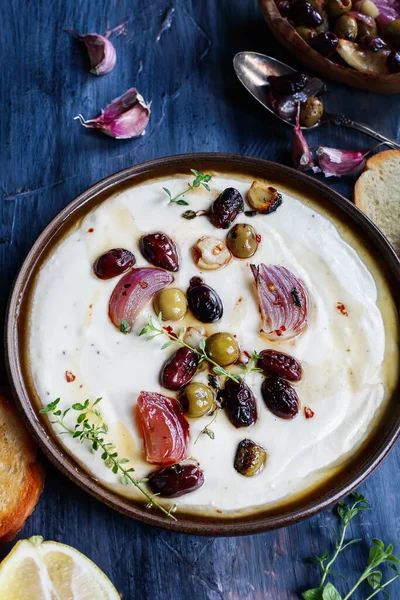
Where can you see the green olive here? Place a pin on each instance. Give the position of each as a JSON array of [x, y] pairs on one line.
[[392, 33], [250, 458], [336, 8], [222, 348], [306, 33], [346, 28], [197, 399], [242, 240], [364, 29], [311, 111], [171, 302]]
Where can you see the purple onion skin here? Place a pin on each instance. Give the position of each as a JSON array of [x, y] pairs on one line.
[[280, 398], [113, 263], [240, 403], [273, 362], [176, 480]]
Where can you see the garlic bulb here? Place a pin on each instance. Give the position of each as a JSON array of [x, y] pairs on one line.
[[210, 253]]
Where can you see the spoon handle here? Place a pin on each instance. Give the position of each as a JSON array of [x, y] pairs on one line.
[[347, 122]]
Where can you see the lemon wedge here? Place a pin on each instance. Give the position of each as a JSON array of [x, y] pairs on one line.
[[38, 570]]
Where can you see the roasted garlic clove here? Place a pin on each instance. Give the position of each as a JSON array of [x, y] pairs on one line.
[[264, 199], [210, 253], [366, 61]]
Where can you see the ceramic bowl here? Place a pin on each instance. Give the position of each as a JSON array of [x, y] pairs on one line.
[[357, 468]]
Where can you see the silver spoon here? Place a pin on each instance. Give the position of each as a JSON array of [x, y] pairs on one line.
[[253, 70]]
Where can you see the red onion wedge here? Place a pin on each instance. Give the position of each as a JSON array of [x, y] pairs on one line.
[[164, 428], [132, 292], [283, 301]]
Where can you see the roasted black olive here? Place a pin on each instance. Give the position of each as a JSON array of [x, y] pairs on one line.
[[288, 84], [226, 208], [179, 369], [393, 62], [113, 263], [250, 458], [160, 250], [273, 362], [325, 43], [303, 13], [203, 301], [176, 480], [280, 397], [240, 403], [372, 42]]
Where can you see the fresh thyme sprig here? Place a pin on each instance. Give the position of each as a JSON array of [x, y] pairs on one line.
[[251, 366], [378, 555], [206, 430], [199, 179], [93, 433], [151, 331]]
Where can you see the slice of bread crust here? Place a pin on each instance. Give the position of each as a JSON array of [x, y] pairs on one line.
[[21, 475], [377, 193]]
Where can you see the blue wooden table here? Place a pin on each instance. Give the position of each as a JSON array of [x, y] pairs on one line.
[[47, 158]]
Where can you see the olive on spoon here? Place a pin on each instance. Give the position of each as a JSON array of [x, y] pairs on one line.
[[253, 70]]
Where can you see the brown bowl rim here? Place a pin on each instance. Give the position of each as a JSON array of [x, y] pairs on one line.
[[336, 488], [292, 41]]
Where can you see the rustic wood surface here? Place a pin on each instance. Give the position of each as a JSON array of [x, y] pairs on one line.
[[47, 158]]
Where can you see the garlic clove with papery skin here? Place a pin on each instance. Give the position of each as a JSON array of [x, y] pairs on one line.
[[125, 117], [101, 52], [335, 163]]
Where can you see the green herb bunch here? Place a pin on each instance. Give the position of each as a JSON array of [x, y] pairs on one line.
[[200, 179], [154, 329], [378, 555], [90, 428]]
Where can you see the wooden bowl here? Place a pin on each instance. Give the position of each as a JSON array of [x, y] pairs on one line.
[[288, 37], [351, 474]]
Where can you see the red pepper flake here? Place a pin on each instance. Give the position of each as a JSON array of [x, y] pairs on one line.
[[69, 376], [278, 332], [283, 328], [90, 230], [170, 331], [143, 284], [308, 412], [271, 287], [258, 238], [340, 307]]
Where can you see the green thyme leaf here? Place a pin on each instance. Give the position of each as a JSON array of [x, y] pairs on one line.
[[50, 407], [330, 593], [124, 327], [374, 579], [314, 594]]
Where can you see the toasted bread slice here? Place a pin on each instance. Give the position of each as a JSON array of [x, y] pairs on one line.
[[377, 193], [21, 476]]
